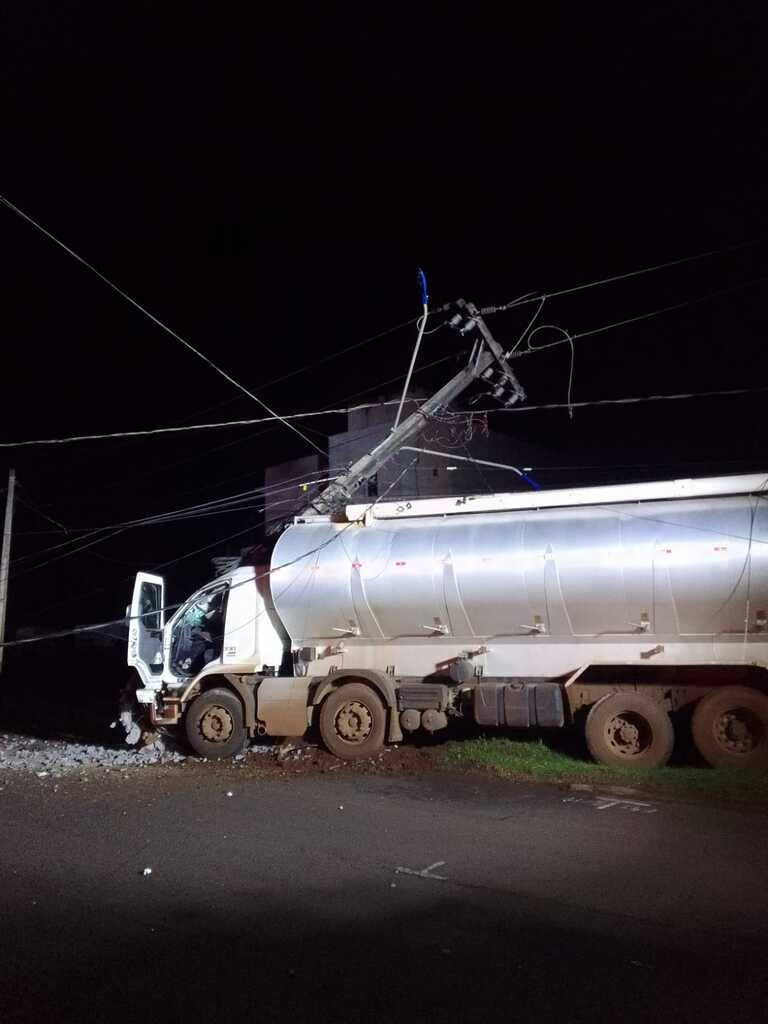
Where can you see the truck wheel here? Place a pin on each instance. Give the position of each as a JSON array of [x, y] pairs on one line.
[[353, 721], [730, 728], [631, 730], [214, 724]]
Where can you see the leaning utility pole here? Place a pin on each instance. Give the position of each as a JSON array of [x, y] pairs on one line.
[[487, 364], [5, 558]]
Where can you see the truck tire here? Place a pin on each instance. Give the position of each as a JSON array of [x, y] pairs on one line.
[[214, 724], [629, 730], [730, 728], [353, 721]]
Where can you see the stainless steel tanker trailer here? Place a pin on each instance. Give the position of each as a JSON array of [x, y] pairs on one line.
[[605, 608]]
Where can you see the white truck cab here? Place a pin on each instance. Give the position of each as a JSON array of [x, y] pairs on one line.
[[227, 622]]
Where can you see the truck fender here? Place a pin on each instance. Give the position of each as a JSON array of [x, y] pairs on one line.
[[378, 681], [243, 686]]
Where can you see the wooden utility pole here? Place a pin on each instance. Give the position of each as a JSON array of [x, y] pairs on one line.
[[5, 559]]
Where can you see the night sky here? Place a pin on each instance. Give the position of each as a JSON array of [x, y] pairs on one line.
[[267, 185]]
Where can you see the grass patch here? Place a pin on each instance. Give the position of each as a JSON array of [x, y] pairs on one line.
[[533, 760]]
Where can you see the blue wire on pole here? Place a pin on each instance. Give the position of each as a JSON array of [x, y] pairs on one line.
[[421, 277], [531, 481]]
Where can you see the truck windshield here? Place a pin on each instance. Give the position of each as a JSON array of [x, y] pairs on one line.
[[198, 634]]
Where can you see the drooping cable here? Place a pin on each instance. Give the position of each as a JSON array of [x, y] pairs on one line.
[[60, 634], [235, 503], [435, 362], [645, 316], [157, 321], [566, 337]]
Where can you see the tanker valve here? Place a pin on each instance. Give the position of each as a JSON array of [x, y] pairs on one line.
[[438, 627], [350, 630]]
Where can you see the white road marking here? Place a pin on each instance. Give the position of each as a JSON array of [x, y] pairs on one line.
[[425, 872], [606, 803]]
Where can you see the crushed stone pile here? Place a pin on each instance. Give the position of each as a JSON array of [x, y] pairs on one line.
[[60, 757]]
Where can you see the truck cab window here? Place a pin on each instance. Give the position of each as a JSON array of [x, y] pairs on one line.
[[198, 634], [150, 605]]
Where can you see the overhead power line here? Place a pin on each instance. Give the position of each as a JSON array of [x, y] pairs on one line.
[[233, 503], [64, 554], [538, 296], [634, 319], [620, 401], [33, 508], [155, 320], [60, 634], [273, 417], [109, 536], [394, 401], [306, 367], [190, 427]]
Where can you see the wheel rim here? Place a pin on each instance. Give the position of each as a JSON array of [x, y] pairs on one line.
[[628, 734], [353, 722], [216, 724], [738, 731]]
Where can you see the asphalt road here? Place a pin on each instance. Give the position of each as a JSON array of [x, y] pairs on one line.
[[285, 901]]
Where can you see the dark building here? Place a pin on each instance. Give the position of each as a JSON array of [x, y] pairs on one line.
[[441, 466]]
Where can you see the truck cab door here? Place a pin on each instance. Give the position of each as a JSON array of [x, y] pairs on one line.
[[145, 628]]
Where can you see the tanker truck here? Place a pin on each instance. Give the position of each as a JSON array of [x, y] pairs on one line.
[[615, 610]]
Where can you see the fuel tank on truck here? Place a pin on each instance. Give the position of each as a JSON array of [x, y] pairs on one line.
[[683, 559]]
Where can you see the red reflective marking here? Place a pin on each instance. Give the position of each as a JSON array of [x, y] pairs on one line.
[[357, 565], [399, 563], [721, 549]]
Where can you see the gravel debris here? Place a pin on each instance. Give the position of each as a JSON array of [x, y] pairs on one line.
[[57, 758], [60, 757]]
